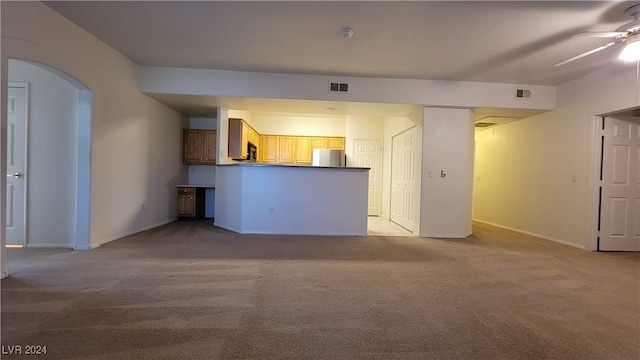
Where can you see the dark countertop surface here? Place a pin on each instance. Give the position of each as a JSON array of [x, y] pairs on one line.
[[254, 164], [197, 186]]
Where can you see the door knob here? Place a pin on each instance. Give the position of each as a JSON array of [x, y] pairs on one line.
[[17, 175]]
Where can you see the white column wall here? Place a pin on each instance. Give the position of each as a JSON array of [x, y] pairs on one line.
[[447, 145]]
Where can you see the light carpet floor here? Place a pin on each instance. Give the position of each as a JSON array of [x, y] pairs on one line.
[[189, 290]]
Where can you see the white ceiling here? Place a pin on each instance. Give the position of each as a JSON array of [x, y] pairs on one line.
[[503, 41]]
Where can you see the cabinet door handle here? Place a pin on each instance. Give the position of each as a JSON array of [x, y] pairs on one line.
[[191, 198]]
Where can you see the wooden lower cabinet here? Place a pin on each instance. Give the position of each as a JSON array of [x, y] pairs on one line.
[[191, 202]]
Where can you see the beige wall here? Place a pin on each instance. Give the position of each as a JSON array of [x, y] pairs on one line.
[[136, 142], [524, 173], [299, 125]]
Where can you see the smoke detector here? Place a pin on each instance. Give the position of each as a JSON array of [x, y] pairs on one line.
[[346, 32]]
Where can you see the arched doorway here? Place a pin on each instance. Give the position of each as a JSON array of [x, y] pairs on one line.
[[57, 154]]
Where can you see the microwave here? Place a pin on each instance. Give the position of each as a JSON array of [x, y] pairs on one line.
[[252, 152]]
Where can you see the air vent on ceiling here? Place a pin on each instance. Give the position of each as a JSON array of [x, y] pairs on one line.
[[484, 124], [338, 87], [523, 93]]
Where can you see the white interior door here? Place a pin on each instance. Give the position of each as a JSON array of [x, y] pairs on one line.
[[368, 153], [403, 174], [16, 163], [620, 184]]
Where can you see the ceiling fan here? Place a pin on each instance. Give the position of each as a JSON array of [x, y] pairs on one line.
[[629, 33]]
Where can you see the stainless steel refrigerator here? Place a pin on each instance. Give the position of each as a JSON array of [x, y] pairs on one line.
[[324, 157]]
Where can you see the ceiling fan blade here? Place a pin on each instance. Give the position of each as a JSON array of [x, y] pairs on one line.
[[631, 26], [600, 34], [586, 53]]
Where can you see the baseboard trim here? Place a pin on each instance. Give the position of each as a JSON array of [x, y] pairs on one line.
[[86, 247], [54, 245], [446, 236], [531, 234], [132, 232]]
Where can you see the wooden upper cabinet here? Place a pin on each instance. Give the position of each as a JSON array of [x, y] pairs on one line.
[[199, 147], [209, 141], [294, 149], [192, 146], [335, 143], [253, 137], [238, 138], [287, 149], [303, 150], [319, 143], [269, 148], [245, 140]]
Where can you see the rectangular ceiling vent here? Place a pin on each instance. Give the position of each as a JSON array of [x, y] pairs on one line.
[[335, 87], [484, 124], [523, 94]]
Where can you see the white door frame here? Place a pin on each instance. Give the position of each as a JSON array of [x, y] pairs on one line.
[[83, 125], [25, 144], [593, 181], [593, 184]]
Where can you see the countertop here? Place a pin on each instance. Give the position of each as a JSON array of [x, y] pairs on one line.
[[198, 186], [254, 164]]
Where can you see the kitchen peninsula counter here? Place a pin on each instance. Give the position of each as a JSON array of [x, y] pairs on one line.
[[294, 166], [259, 198]]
